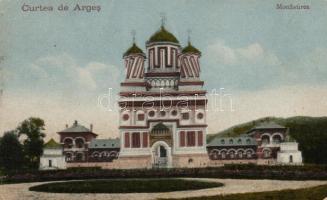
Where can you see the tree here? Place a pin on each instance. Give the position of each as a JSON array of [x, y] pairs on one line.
[[11, 152], [33, 144]]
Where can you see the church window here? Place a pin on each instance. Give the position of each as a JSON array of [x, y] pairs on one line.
[[140, 117], [232, 154], [200, 138], [136, 143], [240, 154], [127, 142], [182, 139], [248, 141], [174, 112], [191, 138], [200, 115], [151, 113], [248, 154], [162, 113], [231, 141], [223, 154], [185, 116], [125, 117], [145, 139]]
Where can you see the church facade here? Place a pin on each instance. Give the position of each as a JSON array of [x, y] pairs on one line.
[[163, 116]]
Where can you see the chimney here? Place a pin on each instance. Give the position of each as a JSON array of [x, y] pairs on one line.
[[91, 127], [75, 123]]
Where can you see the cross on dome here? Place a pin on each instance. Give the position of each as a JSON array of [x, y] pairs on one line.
[[163, 19], [133, 33], [189, 31]]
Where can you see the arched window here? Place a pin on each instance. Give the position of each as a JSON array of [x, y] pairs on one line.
[[232, 154], [95, 154], [222, 141], [239, 141], [214, 154], [248, 141], [277, 139], [291, 159], [113, 154], [265, 139], [223, 154], [240, 154], [249, 154], [231, 141], [140, 117], [68, 143], [79, 142]]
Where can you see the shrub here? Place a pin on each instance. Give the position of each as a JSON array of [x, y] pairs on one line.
[[229, 171]]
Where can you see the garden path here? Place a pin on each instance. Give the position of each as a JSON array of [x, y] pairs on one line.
[[21, 192]]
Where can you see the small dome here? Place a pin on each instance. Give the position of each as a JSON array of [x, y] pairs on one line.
[[163, 36], [134, 49], [52, 144], [190, 49]]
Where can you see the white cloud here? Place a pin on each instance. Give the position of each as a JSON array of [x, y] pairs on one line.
[[62, 72], [246, 67], [253, 53]]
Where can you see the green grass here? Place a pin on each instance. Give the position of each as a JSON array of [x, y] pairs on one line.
[[124, 186], [314, 193]]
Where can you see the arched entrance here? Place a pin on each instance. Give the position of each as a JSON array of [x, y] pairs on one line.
[[161, 155]]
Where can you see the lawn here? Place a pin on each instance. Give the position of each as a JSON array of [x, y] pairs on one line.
[[124, 186], [314, 193]]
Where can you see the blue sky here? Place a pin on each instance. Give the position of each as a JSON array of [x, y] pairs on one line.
[[65, 60]]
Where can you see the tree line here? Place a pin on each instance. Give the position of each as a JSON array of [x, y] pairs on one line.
[[21, 148]]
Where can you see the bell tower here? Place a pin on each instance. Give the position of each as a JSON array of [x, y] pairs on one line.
[[134, 62]]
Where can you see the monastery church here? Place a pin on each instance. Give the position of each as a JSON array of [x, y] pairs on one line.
[[163, 120]]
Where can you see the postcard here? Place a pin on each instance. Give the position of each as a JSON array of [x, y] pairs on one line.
[[153, 99]]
